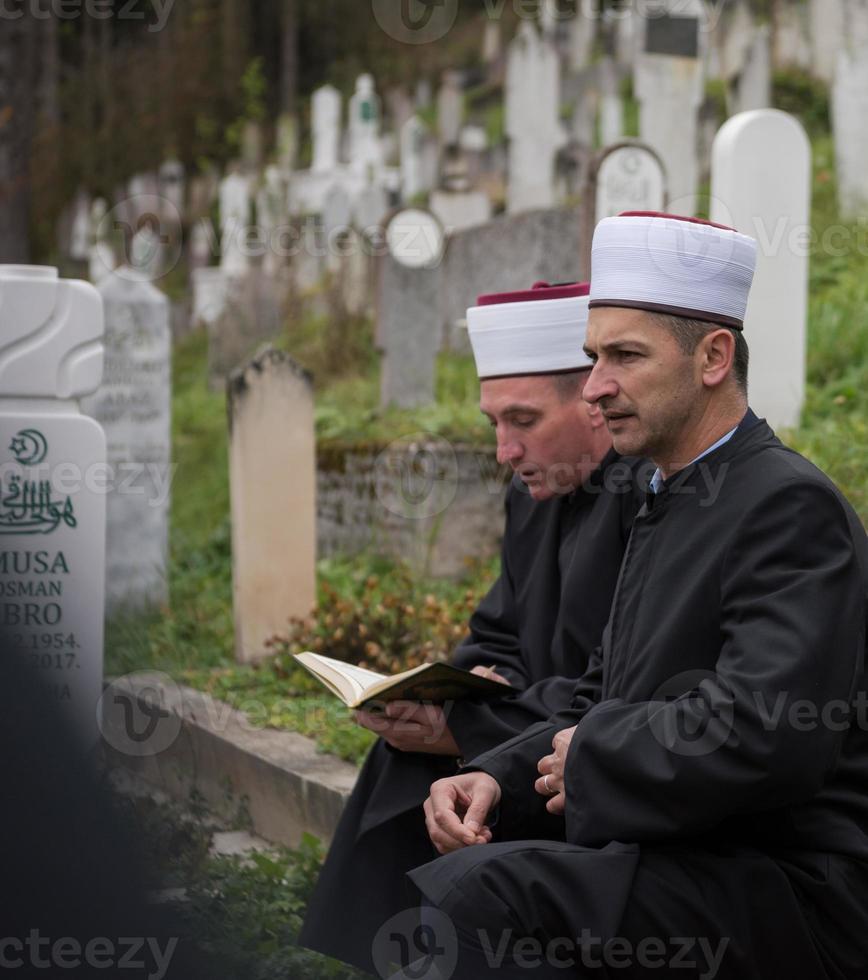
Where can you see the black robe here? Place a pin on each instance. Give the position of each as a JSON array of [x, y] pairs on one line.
[[717, 782], [538, 626]]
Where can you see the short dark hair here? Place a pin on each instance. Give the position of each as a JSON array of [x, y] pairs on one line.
[[689, 332], [569, 383]]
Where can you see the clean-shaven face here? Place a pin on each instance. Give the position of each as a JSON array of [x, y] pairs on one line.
[[646, 387], [553, 444]]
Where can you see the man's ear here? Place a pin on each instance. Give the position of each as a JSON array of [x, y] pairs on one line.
[[717, 352]]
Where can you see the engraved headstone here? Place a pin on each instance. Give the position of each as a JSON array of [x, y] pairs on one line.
[[532, 120], [326, 124], [669, 84], [52, 486], [630, 178], [272, 477], [409, 325], [133, 405], [761, 185]]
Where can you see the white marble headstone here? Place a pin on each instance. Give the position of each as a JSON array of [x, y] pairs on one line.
[[326, 124], [235, 193], [133, 405], [450, 108], [52, 486], [365, 150], [630, 178], [413, 135], [532, 120], [761, 185], [849, 115]]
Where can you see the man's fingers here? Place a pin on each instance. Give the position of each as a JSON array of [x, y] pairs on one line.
[[557, 804], [545, 764]]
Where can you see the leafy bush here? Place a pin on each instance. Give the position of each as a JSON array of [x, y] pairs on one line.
[[804, 96]]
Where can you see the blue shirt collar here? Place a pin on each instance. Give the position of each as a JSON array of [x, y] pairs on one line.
[[657, 479]]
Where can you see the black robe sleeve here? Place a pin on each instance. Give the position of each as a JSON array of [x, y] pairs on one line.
[[739, 739]]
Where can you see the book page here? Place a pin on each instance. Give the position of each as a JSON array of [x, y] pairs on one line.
[[360, 678]]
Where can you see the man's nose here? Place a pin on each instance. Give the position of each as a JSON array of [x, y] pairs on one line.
[[598, 386], [509, 450]]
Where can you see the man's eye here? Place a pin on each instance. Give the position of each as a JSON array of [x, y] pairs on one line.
[[626, 355], [524, 423]]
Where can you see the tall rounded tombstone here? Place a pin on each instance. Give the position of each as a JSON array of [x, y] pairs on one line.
[[409, 323], [761, 186], [53, 478]]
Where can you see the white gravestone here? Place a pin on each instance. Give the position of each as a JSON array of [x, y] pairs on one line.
[[792, 42], [413, 135], [234, 224], [630, 178], [101, 260], [52, 485], [326, 125], [409, 324], [272, 477], [365, 150], [491, 42], [669, 85], [79, 244], [753, 89], [611, 104], [849, 115], [370, 206], [582, 34], [171, 178], [210, 294], [133, 405], [827, 36], [761, 185], [532, 120], [450, 109], [271, 213]]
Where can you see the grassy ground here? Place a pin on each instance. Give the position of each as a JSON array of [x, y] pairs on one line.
[[193, 639]]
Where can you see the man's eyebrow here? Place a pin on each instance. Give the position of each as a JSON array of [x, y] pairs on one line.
[[618, 343], [516, 409]]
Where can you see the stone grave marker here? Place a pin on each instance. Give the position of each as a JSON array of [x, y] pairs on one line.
[[409, 325], [611, 104], [271, 209], [491, 46], [52, 486], [101, 260], [133, 405], [413, 135], [450, 108], [761, 185], [251, 315], [365, 150], [326, 125], [753, 87], [586, 99], [458, 210], [369, 208], [171, 182], [791, 38], [337, 212], [79, 243], [669, 84], [234, 224], [532, 120], [209, 296], [849, 115], [272, 481], [582, 34]]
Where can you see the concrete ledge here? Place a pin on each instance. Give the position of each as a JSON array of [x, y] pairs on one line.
[[184, 742]]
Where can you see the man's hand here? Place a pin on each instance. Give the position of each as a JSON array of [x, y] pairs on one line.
[[491, 674], [551, 783], [412, 727], [455, 811]]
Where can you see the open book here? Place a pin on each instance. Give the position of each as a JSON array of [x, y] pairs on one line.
[[437, 682]]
